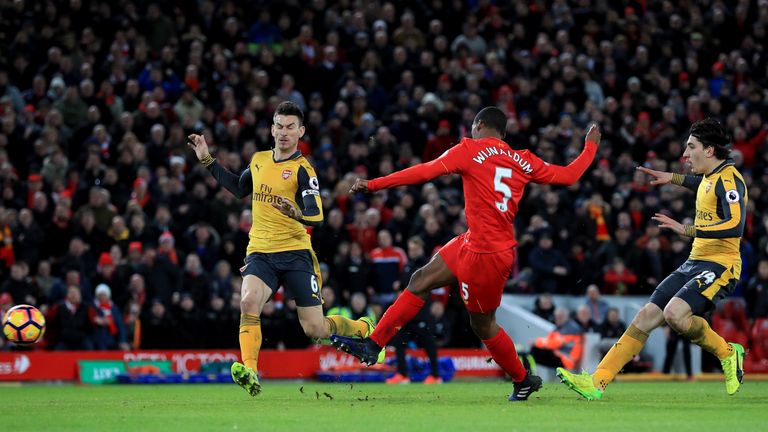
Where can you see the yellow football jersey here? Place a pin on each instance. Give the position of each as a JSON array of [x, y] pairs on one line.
[[721, 201], [293, 179]]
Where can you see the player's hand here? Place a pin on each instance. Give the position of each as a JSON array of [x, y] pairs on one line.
[[669, 223], [198, 144], [287, 208], [659, 177], [593, 134], [361, 185]]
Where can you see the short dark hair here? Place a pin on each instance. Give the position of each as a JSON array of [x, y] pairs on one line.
[[289, 108], [493, 118], [712, 133]]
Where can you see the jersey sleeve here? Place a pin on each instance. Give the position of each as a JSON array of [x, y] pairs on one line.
[[731, 193], [240, 186], [564, 175], [452, 161], [308, 196], [688, 181]]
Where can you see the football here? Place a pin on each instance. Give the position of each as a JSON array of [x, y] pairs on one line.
[[24, 325]]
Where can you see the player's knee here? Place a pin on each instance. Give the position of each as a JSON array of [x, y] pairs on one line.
[[646, 318], [418, 284], [315, 330], [482, 327], [249, 304], [674, 318]]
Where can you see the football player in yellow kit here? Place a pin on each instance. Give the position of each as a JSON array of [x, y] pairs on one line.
[[285, 196], [709, 274]]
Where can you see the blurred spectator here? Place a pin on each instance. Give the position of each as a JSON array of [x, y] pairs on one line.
[[326, 238], [619, 280], [673, 340], [610, 330], [756, 294], [71, 323], [329, 304], [188, 323], [132, 321], [358, 306], [584, 319], [157, 327], [110, 329], [549, 266], [387, 267], [272, 325], [440, 143], [18, 285], [563, 346], [442, 330], [544, 307], [597, 307]]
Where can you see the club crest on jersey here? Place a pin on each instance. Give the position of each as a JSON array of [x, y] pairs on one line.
[[287, 173], [709, 186]]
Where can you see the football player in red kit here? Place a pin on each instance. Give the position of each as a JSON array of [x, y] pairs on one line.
[[480, 260]]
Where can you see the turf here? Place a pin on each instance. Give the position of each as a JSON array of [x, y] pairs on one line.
[[311, 406]]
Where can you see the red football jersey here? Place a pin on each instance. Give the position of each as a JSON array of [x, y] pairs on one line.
[[494, 177]]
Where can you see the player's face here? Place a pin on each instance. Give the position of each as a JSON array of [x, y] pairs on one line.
[[697, 155], [286, 130]]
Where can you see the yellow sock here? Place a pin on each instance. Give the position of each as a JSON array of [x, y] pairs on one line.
[[346, 327], [250, 340], [627, 347], [702, 335]]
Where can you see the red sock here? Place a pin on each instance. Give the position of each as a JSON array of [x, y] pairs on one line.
[[504, 354], [403, 310]]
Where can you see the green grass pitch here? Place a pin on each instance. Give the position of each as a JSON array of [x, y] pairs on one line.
[[311, 406]]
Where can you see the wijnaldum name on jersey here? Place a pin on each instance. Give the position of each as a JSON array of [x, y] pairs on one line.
[[486, 153]]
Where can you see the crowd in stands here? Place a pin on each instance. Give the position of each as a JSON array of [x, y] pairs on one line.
[[112, 228]]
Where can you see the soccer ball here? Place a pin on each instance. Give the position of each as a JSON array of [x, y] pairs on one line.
[[24, 325]]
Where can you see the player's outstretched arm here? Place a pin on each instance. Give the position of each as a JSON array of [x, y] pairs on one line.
[[240, 186], [449, 162], [661, 178], [570, 174]]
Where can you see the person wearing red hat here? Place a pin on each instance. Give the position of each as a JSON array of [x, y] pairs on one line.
[[34, 185], [440, 142]]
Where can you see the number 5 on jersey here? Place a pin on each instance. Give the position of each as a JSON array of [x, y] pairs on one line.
[[500, 186], [465, 292]]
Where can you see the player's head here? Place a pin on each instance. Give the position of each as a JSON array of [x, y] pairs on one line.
[[490, 121], [287, 126], [707, 146]]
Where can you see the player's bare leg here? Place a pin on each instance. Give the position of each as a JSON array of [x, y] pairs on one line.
[[255, 294], [680, 317], [433, 275]]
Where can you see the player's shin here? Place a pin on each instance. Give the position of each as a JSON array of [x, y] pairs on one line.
[[343, 326], [250, 339], [702, 335], [503, 351], [628, 346], [403, 310]]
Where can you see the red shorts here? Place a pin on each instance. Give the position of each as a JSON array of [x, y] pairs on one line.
[[481, 275]]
